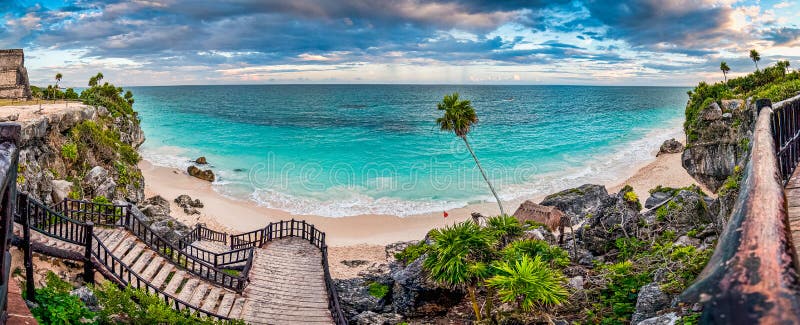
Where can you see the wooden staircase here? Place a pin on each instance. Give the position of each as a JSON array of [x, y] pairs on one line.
[[285, 266]]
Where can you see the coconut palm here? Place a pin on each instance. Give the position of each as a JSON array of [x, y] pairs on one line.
[[529, 283], [725, 68], [55, 89], [94, 80], [755, 57], [458, 258], [459, 117]]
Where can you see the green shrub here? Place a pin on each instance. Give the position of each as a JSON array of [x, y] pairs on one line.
[[529, 282], [118, 307], [378, 290], [69, 151], [57, 306], [554, 255], [412, 252]]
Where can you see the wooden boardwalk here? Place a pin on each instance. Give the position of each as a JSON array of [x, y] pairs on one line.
[[286, 279], [792, 191]]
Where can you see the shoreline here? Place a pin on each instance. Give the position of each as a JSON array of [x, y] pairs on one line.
[[236, 216], [363, 237]]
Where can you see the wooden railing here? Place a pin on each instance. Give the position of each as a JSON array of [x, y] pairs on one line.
[[752, 276], [101, 214], [117, 270], [33, 214], [295, 228], [200, 232], [9, 154]]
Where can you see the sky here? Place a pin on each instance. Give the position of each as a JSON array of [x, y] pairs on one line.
[[585, 42]]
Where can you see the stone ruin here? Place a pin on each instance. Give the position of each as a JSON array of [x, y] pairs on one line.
[[13, 76]]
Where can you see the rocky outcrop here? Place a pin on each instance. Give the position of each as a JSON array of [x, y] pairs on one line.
[[414, 295], [719, 141], [206, 175], [189, 206], [617, 217], [670, 146], [46, 164], [155, 212], [578, 202], [201, 161]]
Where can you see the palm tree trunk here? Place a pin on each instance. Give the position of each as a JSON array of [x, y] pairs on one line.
[[486, 178], [474, 301]]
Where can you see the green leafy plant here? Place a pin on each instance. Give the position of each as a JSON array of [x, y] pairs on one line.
[[412, 252], [378, 290], [554, 255], [57, 306], [69, 151], [528, 282], [504, 228], [458, 258]]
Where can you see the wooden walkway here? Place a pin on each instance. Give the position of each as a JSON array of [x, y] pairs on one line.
[[286, 279], [792, 191]]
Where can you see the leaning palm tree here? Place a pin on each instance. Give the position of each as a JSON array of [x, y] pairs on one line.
[[755, 57], [458, 258], [55, 89], [725, 68], [529, 283], [459, 117]]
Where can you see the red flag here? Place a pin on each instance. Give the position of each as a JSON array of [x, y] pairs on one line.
[[445, 214]]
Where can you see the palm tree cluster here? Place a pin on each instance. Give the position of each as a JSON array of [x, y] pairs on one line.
[[493, 260]]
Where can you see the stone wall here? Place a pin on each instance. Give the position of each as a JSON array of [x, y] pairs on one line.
[[13, 75]]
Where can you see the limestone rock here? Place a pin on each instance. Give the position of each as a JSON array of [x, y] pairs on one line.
[[666, 319], [712, 113], [415, 295], [9, 117], [397, 247], [684, 211], [206, 175], [184, 200], [656, 198], [576, 203], [87, 296], [99, 182], [155, 207], [201, 161], [670, 146], [373, 318], [650, 300], [61, 189], [616, 218]]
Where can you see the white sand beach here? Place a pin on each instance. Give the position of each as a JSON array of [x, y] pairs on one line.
[[363, 236]]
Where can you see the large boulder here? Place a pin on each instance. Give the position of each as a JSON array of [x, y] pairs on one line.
[[61, 189], [670, 146], [617, 218], [649, 301], [414, 295], [201, 161], [98, 181], [206, 175], [576, 203], [155, 207]]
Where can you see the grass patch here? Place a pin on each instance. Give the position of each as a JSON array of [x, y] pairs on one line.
[[378, 290]]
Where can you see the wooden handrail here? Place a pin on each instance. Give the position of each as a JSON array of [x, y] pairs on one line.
[[751, 277]]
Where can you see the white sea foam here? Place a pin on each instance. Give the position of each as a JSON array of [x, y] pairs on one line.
[[619, 163]]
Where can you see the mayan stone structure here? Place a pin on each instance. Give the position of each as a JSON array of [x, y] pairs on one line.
[[13, 76]]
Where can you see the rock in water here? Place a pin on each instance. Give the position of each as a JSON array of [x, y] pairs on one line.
[[201, 160], [670, 146], [100, 182], [206, 175]]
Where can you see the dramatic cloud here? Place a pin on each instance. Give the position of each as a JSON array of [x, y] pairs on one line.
[[243, 41]]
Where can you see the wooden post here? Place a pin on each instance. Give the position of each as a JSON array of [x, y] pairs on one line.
[[128, 215], [26, 247], [88, 267]]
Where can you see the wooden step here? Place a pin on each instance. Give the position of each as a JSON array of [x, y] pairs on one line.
[[210, 302], [175, 282], [226, 303], [236, 310], [145, 259], [133, 254], [152, 268], [187, 290], [199, 295]]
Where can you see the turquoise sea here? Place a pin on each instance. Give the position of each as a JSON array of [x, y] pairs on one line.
[[339, 150]]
